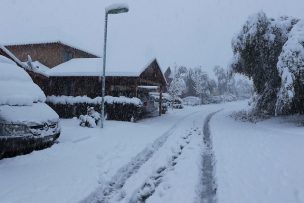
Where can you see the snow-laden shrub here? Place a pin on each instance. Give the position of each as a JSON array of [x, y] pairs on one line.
[[116, 108], [85, 99], [91, 119], [257, 48], [291, 70], [177, 86]]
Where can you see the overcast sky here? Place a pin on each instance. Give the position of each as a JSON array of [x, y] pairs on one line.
[[185, 32]]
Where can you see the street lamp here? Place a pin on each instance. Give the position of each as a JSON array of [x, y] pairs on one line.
[[113, 9]]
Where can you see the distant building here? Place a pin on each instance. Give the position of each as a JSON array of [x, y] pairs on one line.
[[49, 54]]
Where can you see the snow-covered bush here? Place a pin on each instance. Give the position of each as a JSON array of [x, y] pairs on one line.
[[91, 119], [85, 99], [256, 50], [177, 86], [291, 69], [116, 108]]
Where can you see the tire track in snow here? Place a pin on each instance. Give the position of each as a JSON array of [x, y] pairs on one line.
[[209, 186], [149, 186], [105, 192]]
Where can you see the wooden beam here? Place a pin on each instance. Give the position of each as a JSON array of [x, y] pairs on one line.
[[160, 100]]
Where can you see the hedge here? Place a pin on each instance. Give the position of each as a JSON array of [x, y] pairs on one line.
[[116, 108]]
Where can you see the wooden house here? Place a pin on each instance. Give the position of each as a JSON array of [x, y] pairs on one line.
[[61, 69], [50, 53], [79, 77]]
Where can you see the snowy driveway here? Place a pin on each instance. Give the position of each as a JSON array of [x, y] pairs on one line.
[[87, 160]]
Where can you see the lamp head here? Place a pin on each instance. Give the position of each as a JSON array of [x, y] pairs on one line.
[[117, 9]]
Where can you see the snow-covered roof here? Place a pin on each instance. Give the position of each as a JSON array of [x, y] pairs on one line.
[[31, 42], [93, 67]]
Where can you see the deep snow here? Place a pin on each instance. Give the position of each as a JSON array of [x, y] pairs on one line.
[[83, 160], [254, 162], [258, 162]]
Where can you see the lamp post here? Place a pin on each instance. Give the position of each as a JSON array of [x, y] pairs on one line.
[[113, 9]]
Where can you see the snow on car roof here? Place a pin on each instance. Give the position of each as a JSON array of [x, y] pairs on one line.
[[92, 67], [3, 59], [17, 87]]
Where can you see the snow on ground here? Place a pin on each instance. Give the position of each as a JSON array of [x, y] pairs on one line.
[[260, 162], [160, 160], [71, 170], [165, 177], [183, 178]]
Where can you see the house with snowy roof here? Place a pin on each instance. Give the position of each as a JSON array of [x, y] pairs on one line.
[[63, 70], [48, 53], [81, 76]]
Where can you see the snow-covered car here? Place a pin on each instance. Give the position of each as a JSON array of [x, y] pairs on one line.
[[178, 103], [191, 101], [166, 100], [223, 98], [150, 108], [26, 122]]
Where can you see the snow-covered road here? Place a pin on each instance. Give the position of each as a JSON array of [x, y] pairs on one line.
[[164, 159], [88, 161], [164, 171]]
